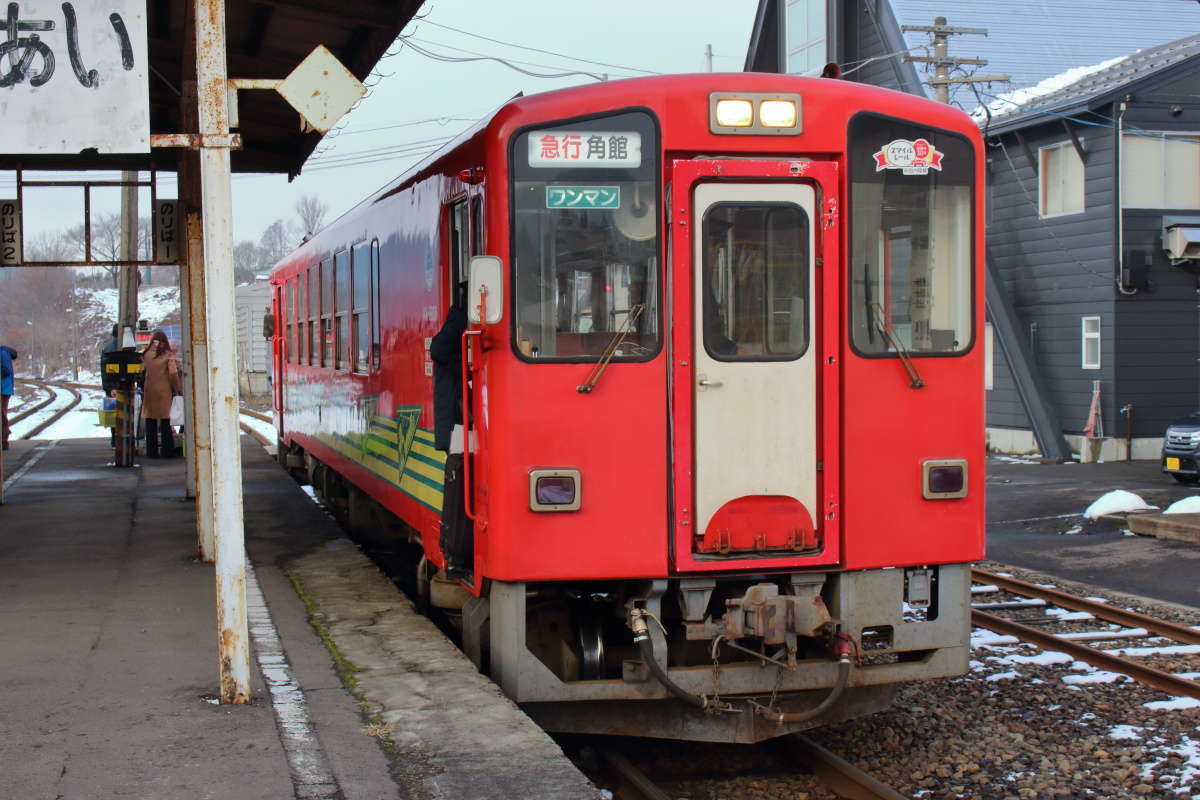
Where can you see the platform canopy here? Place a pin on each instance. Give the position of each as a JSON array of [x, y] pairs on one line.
[[265, 39]]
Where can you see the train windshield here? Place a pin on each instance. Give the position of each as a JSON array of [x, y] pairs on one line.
[[586, 251], [911, 252]]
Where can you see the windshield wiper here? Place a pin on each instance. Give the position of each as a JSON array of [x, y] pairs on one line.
[[611, 349], [886, 331]]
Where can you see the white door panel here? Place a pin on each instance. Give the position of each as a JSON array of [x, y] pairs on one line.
[[755, 373]]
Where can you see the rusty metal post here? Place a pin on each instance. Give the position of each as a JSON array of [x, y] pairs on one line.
[[199, 419], [211, 91], [199, 448], [186, 378]]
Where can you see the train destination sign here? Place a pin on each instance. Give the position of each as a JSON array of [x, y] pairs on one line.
[[73, 75], [585, 149], [583, 197]]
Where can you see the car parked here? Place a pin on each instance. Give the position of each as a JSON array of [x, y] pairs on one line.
[[1181, 449]]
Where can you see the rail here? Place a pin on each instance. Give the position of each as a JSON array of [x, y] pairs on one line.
[[49, 387], [843, 778], [1146, 675]]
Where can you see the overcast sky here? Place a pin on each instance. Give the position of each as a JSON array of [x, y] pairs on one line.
[[642, 36]]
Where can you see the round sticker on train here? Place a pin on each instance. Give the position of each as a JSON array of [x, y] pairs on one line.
[[910, 157]]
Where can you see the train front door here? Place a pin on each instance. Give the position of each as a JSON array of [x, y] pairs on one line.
[[755, 382]]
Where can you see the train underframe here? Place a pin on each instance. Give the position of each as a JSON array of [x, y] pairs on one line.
[[738, 657]]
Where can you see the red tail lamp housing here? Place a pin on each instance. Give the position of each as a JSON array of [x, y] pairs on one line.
[[944, 478]]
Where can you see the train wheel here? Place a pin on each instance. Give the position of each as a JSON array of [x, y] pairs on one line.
[[424, 578]]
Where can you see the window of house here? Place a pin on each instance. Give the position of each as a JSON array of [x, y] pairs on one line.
[[805, 30], [1091, 342], [1060, 170], [989, 358], [360, 308], [327, 313], [1160, 171], [341, 271]]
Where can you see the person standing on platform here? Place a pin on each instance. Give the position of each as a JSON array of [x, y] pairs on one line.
[[457, 531], [7, 354], [161, 383]]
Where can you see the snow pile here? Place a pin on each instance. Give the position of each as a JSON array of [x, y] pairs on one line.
[[155, 304], [1188, 505], [1016, 100], [1117, 501]]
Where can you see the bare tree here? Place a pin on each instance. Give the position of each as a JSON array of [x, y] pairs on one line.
[[248, 261], [106, 242], [277, 241], [312, 213]]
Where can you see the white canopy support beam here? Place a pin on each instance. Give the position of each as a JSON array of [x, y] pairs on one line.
[[217, 212]]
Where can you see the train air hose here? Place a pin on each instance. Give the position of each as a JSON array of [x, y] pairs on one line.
[[843, 649]]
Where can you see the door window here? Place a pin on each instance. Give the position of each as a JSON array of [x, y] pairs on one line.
[[756, 278]]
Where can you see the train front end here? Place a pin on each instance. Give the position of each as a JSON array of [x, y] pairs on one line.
[[729, 409]]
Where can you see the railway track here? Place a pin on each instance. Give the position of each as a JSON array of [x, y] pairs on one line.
[[50, 388], [840, 776], [250, 429], [1132, 625]]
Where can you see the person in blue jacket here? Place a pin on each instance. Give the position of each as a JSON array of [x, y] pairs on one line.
[[7, 354]]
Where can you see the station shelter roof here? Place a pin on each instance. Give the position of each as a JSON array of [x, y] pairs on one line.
[[264, 39]]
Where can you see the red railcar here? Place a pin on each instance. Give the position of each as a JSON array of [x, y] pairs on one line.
[[725, 401]]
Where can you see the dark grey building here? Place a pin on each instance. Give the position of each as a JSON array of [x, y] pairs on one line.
[[1084, 174]]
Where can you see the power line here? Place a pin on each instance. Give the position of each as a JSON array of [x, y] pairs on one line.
[[428, 42], [538, 50], [455, 59]]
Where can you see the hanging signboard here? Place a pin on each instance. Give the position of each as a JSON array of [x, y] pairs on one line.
[[166, 232], [10, 233], [73, 75]]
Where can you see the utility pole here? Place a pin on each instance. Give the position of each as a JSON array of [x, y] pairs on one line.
[[708, 58], [942, 61], [127, 312]]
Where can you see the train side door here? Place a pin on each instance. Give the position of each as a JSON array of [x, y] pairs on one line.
[[750, 376], [278, 342]]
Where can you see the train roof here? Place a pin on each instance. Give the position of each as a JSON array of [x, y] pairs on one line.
[[657, 91]]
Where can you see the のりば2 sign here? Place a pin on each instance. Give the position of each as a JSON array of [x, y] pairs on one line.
[[622, 149], [910, 157], [73, 75]]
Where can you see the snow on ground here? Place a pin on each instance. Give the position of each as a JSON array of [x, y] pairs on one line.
[[80, 423], [61, 398], [264, 428], [1188, 505], [1116, 502], [155, 303]]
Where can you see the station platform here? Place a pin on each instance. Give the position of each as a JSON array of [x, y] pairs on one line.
[[109, 656]]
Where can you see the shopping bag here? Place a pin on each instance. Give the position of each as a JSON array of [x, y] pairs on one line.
[[177, 410]]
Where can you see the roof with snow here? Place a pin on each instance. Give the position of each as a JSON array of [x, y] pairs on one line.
[[1075, 89], [1031, 41]]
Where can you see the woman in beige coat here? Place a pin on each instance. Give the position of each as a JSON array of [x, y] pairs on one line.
[[161, 383]]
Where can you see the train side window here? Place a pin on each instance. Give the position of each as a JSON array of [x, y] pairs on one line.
[[360, 321], [341, 299], [375, 308], [312, 312], [460, 244], [477, 226], [289, 308], [327, 313]]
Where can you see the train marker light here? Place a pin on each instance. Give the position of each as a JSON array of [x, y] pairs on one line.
[[554, 489], [754, 113], [777, 113], [944, 479], [735, 113]]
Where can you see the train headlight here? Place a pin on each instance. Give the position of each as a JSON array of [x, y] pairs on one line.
[[735, 113], [554, 489], [944, 479], [755, 113], [777, 113]]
